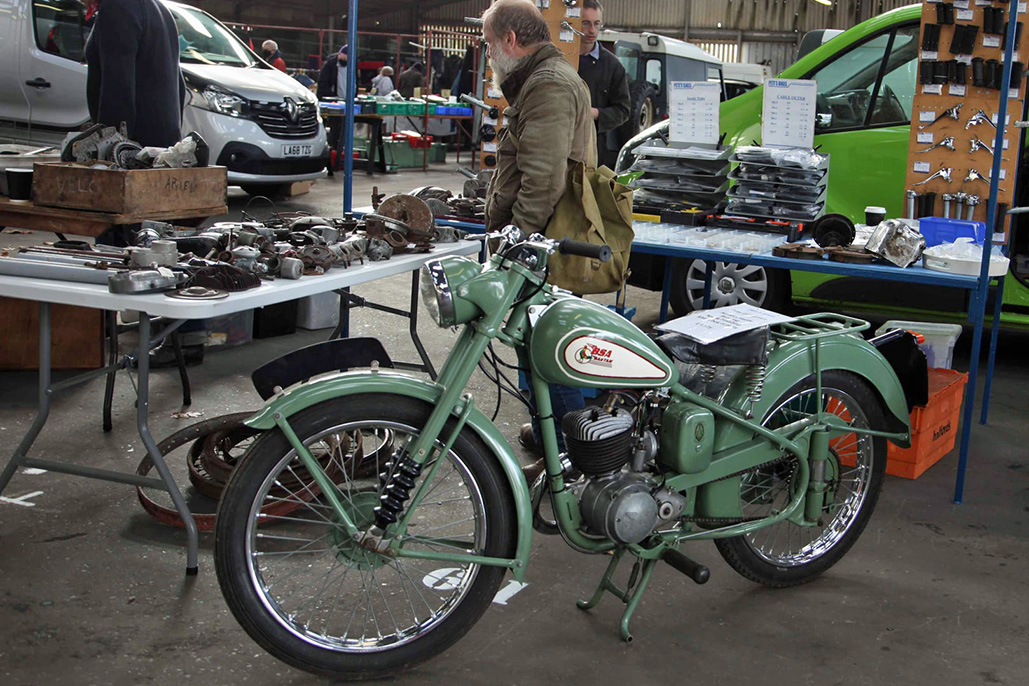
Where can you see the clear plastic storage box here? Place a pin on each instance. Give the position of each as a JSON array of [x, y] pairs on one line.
[[940, 339]]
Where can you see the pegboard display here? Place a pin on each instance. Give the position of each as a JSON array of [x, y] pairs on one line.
[[954, 115], [557, 13]]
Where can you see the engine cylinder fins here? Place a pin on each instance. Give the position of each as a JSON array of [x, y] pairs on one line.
[[598, 442]]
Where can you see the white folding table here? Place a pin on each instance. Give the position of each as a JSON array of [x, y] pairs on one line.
[[47, 292]]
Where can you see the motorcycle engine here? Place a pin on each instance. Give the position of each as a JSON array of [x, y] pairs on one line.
[[617, 503]]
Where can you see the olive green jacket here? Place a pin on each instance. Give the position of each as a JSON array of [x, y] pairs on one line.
[[548, 123]]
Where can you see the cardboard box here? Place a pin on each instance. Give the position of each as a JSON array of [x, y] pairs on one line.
[[136, 192]]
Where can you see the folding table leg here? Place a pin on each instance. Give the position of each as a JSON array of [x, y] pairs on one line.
[[22, 451], [142, 407], [112, 358]]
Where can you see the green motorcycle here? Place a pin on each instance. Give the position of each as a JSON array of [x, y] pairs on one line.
[[371, 523]]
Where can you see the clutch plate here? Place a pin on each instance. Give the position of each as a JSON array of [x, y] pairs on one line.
[[199, 293]]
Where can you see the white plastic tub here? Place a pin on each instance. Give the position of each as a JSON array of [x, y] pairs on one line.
[[940, 339]]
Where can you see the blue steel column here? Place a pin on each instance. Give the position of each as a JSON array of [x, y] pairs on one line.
[[979, 309], [348, 122]]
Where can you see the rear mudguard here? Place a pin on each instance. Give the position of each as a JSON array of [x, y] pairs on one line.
[[788, 364], [305, 395]]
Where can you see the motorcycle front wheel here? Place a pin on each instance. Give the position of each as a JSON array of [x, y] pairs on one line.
[[785, 554], [317, 600]]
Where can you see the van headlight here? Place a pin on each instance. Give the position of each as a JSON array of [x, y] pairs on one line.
[[439, 281], [220, 101]]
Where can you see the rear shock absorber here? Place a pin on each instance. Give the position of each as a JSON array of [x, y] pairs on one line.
[[397, 482], [756, 374]]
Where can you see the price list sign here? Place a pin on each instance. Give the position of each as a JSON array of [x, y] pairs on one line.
[[788, 113], [693, 111]]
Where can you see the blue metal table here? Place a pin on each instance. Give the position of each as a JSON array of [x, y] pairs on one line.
[[915, 274]]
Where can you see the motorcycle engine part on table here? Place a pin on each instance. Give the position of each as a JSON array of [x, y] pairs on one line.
[[336, 355], [896, 242], [291, 268], [834, 230], [619, 506], [143, 281], [599, 442], [687, 437], [595, 348]]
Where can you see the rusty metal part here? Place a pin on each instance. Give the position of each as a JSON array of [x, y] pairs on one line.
[[213, 444], [798, 251], [376, 198], [838, 254], [408, 216]]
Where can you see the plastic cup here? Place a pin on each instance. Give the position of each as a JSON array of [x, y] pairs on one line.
[[874, 215]]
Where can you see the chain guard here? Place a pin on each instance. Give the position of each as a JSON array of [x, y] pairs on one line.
[[730, 521]]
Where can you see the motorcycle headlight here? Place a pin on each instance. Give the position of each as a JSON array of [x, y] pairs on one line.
[[222, 102], [439, 280]]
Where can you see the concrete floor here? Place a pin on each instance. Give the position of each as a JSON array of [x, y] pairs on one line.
[[92, 590]]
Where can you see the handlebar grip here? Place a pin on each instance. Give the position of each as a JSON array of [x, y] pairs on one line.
[[595, 252]]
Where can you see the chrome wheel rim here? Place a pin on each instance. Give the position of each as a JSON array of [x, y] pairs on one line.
[[731, 284], [317, 586], [849, 473]]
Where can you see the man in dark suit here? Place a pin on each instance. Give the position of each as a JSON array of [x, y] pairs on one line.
[[605, 77]]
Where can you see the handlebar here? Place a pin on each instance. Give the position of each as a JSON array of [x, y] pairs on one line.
[[595, 252]]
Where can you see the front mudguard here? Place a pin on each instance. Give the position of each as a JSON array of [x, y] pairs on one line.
[[305, 395]]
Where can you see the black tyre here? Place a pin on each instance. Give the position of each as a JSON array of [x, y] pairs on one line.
[[785, 554], [317, 600], [731, 284], [642, 112], [268, 190]]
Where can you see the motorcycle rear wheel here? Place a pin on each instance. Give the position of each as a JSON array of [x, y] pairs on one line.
[[785, 554], [320, 602]]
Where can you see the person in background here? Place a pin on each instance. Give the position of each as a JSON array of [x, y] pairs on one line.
[[383, 83], [550, 131], [605, 77], [272, 55], [411, 78], [332, 79], [332, 83], [132, 58]]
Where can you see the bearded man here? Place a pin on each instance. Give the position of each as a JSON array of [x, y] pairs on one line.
[[549, 127]]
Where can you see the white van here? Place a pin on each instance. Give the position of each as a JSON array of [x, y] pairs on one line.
[[259, 123]]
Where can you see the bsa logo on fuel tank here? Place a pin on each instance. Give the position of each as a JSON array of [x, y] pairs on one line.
[[596, 357]]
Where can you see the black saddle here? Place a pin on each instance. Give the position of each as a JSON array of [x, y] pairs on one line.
[[747, 348]]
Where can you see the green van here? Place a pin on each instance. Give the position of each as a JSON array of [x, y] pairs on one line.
[[866, 78]]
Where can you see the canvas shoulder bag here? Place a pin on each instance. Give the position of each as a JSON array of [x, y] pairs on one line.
[[595, 209]]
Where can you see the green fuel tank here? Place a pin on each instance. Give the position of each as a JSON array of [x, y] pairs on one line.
[[576, 342]]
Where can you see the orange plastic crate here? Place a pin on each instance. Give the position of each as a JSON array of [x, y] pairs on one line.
[[934, 428]]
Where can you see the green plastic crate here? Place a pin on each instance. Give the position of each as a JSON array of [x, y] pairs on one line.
[[388, 108]]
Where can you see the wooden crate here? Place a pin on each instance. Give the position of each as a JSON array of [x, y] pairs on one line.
[[139, 191], [76, 341]]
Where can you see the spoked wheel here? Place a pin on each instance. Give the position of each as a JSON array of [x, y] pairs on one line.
[[785, 554], [318, 600]]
